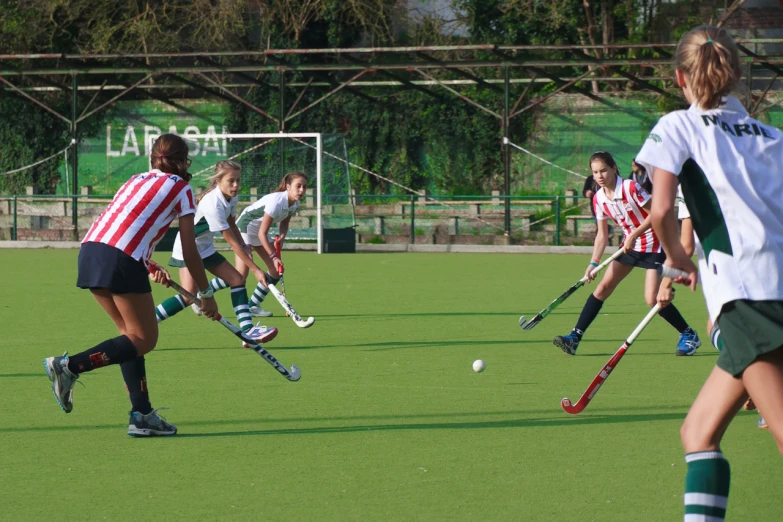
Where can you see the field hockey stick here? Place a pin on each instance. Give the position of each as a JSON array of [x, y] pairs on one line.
[[279, 252], [301, 323], [293, 375], [599, 379], [529, 325]]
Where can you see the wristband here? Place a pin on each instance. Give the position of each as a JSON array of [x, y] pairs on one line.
[[593, 264], [272, 256], [205, 294]]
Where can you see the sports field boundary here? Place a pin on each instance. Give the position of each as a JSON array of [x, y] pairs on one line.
[[367, 247]]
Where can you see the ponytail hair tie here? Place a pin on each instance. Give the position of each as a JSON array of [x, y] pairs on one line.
[[709, 41]]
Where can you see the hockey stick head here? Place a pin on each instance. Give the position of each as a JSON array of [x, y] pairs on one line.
[[572, 409], [529, 325], [302, 323], [294, 374]]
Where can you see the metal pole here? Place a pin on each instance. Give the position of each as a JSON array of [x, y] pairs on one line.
[[281, 124], [15, 231], [413, 219], [507, 152], [74, 159], [557, 220]]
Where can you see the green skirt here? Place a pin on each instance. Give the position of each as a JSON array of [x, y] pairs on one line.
[[749, 329], [209, 261]]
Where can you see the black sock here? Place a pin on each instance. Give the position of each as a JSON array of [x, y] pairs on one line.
[[271, 280], [588, 315], [673, 317], [114, 351], [135, 374]]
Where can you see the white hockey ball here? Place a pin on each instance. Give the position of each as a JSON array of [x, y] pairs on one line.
[[479, 366]]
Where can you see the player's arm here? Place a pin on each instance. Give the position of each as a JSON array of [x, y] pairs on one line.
[[284, 229], [187, 235], [599, 245], [686, 236], [234, 240], [664, 222], [263, 236]]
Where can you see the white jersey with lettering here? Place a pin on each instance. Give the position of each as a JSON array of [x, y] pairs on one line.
[[141, 213], [625, 209], [212, 215], [730, 168]]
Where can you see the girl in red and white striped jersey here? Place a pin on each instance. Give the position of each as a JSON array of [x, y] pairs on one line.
[[628, 205], [113, 265]]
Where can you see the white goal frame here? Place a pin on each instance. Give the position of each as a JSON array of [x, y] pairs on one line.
[[318, 163]]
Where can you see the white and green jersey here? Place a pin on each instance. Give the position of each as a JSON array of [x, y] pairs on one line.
[[212, 215], [730, 170], [274, 204]]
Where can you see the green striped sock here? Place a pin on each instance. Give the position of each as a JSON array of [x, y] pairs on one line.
[[239, 300], [259, 294], [217, 284], [169, 307], [706, 486]]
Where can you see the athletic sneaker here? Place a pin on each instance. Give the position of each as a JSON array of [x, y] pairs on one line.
[[762, 423], [568, 343], [749, 405], [149, 425], [257, 311], [62, 379], [260, 334], [196, 309], [688, 342]]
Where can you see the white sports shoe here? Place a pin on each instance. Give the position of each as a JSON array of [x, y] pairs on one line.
[[257, 311], [196, 309], [260, 334]]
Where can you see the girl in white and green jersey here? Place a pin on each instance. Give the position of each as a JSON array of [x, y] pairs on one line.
[[254, 223], [730, 170]]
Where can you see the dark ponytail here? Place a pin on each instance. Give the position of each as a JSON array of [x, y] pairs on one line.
[[170, 155]]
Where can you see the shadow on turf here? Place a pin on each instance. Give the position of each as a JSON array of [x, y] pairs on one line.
[[457, 314], [596, 416]]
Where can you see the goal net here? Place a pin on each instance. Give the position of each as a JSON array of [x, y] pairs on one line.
[[265, 160]]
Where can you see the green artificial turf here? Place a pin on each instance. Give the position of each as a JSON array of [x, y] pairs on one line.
[[389, 421]]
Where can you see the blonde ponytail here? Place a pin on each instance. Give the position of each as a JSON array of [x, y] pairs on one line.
[[709, 57]]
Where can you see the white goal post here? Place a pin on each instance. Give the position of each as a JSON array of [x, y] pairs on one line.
[[220, 141]]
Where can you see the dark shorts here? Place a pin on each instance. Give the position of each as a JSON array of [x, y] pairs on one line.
[[749, 329], [646, 260], [209, 261], [104, 266]]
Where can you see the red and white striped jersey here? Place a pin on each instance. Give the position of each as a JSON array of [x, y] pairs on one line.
[[626, 210], [141, 213]]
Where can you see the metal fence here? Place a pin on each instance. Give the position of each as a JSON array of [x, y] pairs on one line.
[[378, 218]]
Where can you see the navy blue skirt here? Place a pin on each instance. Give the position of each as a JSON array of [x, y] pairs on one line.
[[104, 266]]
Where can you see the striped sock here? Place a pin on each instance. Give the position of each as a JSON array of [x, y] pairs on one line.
[[239, 300], [706, 486], [259, 294], [217, 284], [716, 338], [169, 307]]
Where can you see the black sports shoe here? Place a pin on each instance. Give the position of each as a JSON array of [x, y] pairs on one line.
[[568, 343], [149, 425]]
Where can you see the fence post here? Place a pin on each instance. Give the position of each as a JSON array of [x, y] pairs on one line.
[[557, 220], [413, 219], [14, 231]]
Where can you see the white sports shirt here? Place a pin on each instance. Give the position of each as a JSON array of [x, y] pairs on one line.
[[625, 209], [274, 204], [211, 216], [730, 169], [141, 212]]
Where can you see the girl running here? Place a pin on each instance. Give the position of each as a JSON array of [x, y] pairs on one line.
[[217, 208], [729, 168], [628, 205], [113, 262], [254, 224]]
